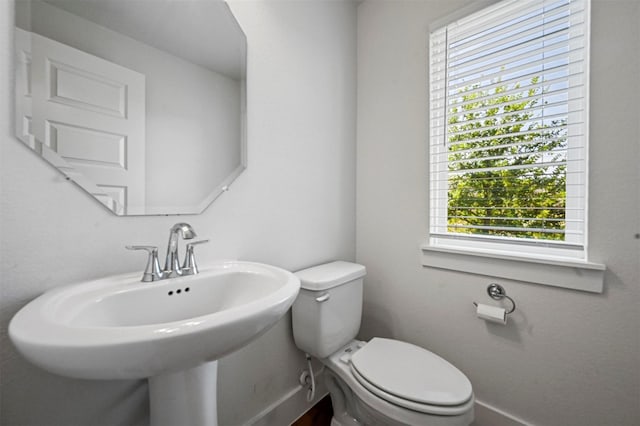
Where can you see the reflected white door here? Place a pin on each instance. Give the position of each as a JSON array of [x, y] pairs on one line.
[[91, 113], [24, 112]]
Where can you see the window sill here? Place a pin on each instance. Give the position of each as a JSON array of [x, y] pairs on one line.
[[572, 274]]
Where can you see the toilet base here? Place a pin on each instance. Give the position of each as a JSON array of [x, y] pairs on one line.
[[345, 421]]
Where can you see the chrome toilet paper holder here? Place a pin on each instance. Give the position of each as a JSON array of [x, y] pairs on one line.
[[497, 292]]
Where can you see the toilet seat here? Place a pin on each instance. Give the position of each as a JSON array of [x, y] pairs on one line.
[[411, 377]]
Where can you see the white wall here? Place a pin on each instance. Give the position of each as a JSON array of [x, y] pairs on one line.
[[566, 357], [293, 207]]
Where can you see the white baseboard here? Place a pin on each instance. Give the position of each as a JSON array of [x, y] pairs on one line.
[[290, 406], [487, 415]]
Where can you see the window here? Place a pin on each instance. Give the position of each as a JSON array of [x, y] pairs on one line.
[[508, 130]]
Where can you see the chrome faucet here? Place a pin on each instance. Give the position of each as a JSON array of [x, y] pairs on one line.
[[172, 267]]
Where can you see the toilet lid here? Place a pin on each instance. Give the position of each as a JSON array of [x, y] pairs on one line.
[[412, 373]]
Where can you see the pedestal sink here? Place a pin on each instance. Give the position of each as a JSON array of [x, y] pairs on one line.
[[170, 331]]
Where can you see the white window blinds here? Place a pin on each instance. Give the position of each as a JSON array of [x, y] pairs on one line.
[[508, 128]]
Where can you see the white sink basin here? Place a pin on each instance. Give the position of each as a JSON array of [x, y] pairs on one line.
[[121, 328]]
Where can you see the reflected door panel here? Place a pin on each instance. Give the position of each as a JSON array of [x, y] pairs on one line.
[[24, 113], [90, 113]]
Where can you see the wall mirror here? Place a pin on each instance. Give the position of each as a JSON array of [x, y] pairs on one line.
[[140, 103]]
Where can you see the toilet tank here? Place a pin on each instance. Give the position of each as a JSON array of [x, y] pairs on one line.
[[328, 309]]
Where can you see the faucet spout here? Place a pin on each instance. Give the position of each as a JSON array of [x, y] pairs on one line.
[[172, 265]]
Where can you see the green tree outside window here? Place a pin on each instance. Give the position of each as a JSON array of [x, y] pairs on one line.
[[507, 164]]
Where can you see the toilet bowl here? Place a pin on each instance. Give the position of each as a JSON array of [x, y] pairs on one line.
[[380, 382], [397, 393]]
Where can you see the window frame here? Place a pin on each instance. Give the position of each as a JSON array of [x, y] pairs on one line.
[[516, 257]]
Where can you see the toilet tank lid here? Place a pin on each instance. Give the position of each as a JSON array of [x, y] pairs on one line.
[[328, 275]]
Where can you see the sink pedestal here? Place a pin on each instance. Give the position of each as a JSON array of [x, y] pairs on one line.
[[185, 398]]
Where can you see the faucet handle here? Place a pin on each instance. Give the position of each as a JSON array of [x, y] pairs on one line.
[[152, 271], [195, 243], [149, 249], [189, 267]]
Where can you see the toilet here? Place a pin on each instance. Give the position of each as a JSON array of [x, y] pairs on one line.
[[382, 382]]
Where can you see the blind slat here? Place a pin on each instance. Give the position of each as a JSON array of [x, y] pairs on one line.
[[515, 48], [517, 208], [502, 178], [525, 28], [511, 145], [527, 123], [572, 91], [458, 75], [514, 167], [535, 111], [470, 28], [514, 75], [515, 135], [514, 229], [530, 219]]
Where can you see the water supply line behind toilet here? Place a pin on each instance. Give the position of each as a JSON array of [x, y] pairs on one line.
[[308, 380]]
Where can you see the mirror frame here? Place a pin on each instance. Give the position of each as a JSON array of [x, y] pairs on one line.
[[83, 182]]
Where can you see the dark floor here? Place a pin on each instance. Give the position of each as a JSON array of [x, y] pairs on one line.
[[318, 415]]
